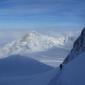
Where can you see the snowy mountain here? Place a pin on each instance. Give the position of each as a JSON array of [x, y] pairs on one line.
[[78, 47], [35, 42], [73, 71]]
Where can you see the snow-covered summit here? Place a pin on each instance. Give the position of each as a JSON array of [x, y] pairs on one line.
[[34, 42]]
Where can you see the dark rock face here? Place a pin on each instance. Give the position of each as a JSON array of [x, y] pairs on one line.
[[78, 47], [79, 44]]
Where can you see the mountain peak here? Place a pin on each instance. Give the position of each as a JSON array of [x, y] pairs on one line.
[[32, 42], [35, 42], [79, 44], [83, 31], [30, 35], [78, 47]]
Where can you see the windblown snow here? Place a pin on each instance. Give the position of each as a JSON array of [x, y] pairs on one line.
[[34, 42], [49, 49]]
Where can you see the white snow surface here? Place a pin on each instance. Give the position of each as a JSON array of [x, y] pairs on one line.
[[34, 42], [72, 74]]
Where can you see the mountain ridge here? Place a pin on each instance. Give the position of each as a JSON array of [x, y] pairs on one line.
[[34, 42], [78, 47], [72, 71]]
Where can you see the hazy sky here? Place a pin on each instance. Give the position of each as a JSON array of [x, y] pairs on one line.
[[42, 14]]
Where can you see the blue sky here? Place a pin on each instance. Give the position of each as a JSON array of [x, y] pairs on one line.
[[42, 14]]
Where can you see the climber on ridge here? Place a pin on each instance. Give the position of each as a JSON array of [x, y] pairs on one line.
[[61, 66]]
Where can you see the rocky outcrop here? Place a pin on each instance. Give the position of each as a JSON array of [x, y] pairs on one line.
[[78, 47]]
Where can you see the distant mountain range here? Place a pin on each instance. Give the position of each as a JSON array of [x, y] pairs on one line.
[[36, 42]]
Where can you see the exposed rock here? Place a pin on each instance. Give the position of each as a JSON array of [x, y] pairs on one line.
[[78, 47]]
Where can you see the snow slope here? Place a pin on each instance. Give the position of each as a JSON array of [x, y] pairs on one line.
[[37, 79], [73, 72], [21, 70], [17, 65]]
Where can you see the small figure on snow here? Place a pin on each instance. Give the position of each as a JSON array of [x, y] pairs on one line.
[[61, 66]]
